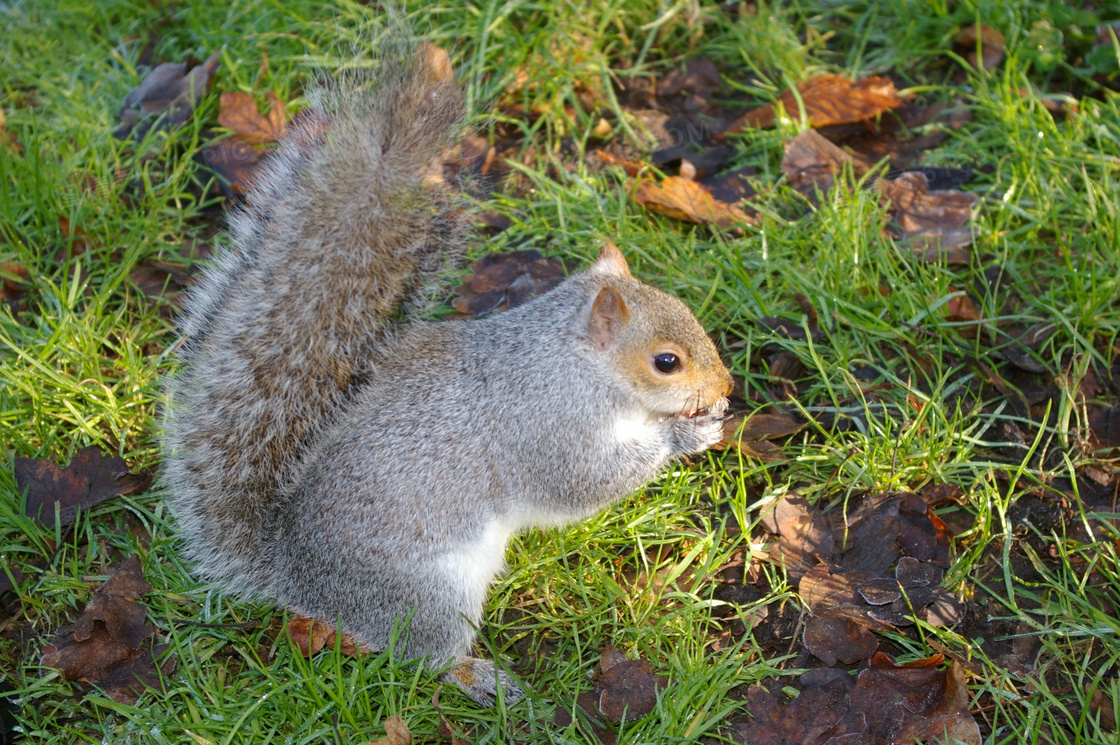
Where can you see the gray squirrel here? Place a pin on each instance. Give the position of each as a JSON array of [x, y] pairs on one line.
[[325, 450]]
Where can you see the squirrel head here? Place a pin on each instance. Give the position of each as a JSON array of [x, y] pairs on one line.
[[654, 341]]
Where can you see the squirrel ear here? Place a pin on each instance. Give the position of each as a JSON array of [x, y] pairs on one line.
[[608, 315], [611, 262]]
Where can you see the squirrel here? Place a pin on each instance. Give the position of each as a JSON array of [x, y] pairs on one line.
[[326, 449]]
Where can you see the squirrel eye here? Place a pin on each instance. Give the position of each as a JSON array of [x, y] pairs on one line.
[[666, 363]]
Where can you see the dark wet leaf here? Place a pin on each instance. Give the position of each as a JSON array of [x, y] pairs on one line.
[[949, 722], [699, 76], [1104, 427], [629, 690], [731, 186], [911, 572], [624, 689], [835, 593], [922, 534], [869, 538], [168, 92], [501, 281], [110, 645], [819, 713], [705, 162], [234, 162], [91, 478], [879, 591], [832, 638]]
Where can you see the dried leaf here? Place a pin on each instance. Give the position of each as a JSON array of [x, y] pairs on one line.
[[1104, 427], [75, 240], [1101, 703], [311, 636], [934, 223], [239, 113], [812, 163], [992, 45], [949, 723], [961, 309], [699, 76], [804, 535], [234, 162], [502, 281], [110, 645], [445, 729], [14, 279], [169, 90], [689, 201], [828, 100], [396, 733], [91, 478], [832, 638]]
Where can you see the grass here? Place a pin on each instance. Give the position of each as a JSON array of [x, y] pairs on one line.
[[81, 357]]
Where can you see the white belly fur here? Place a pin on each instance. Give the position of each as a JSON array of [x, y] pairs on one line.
[[475, 565]]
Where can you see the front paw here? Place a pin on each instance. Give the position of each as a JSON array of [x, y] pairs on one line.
[[696, 434]]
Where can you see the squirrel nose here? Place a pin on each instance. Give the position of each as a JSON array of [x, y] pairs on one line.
[[728, 383]]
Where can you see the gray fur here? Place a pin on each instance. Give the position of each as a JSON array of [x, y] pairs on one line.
[[347, 466]]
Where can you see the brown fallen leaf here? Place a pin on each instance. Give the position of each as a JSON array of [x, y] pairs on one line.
[[239, 112], [949, 723], [819, 714], [1101, 703], [811, 163], [168, 90], [234, 162], [828, 100], [500, 281], [1104, 427], [8, 140], [445, 729], [396, 733], [91, 478], [624, 689], [686, 200], [698, 77], [992, 45], [961, 309], [934, 223], [831, 639], [632, 166], [14, 279], [628, 689], [110, 645], [75, 241], [804, 537], [311, 636]]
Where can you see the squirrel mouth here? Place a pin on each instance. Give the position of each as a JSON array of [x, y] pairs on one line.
[[693, 413]]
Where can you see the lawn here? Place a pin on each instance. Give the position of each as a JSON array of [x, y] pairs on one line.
[[915, 282]]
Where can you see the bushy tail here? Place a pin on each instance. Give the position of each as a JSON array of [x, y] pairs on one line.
[[341, 230]]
